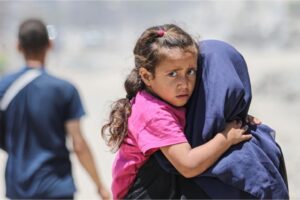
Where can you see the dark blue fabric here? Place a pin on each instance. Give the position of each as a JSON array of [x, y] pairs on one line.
[[38, 164], [223, 94]]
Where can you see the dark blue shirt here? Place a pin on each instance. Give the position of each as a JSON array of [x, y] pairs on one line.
[[38, 163]]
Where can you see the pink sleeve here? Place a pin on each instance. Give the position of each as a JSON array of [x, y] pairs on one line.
[[162, 130]]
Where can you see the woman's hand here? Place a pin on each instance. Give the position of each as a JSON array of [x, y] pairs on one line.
[[252, 120], [234, 133]]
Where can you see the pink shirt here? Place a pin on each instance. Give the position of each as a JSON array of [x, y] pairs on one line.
[[152, 124]]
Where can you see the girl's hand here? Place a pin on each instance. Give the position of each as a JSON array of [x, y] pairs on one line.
[[252, 120], [234, 133]]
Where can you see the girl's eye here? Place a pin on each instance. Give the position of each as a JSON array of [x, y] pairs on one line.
[[172, 74], [191, 72]]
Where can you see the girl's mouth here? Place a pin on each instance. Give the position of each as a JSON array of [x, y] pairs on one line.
[[182, 96]]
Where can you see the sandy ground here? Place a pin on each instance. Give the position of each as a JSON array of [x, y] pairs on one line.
[[271, 103]]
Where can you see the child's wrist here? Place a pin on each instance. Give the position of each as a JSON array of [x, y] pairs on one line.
[[224, 140]]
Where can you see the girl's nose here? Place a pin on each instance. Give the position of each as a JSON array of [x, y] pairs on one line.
[[183, 82]]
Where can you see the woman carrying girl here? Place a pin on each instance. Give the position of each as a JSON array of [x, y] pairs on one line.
[[152, 116], [254, 169]]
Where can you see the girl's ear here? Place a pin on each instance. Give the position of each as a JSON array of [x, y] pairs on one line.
[[146, 76]]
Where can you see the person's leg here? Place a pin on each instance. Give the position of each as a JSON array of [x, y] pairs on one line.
[[152, 182], [190, 190]]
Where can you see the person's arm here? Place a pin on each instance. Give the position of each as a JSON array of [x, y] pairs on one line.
[[85, 157], [191, 162]]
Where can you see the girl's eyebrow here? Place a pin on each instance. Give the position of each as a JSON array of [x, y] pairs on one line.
[[174, 69], [177, 68]]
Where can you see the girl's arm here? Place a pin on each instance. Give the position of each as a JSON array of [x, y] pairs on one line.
[[191, 162]]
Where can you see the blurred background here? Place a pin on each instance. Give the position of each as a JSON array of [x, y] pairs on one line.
[[93, 43]]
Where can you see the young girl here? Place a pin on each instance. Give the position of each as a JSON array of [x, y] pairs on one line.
[[152, 116]]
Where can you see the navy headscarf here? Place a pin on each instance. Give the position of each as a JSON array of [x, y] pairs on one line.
[[223, 94]]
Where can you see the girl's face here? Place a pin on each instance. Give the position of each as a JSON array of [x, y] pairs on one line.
[[174, 77]]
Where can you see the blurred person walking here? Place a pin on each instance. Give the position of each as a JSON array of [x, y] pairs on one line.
[[39, 111]]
